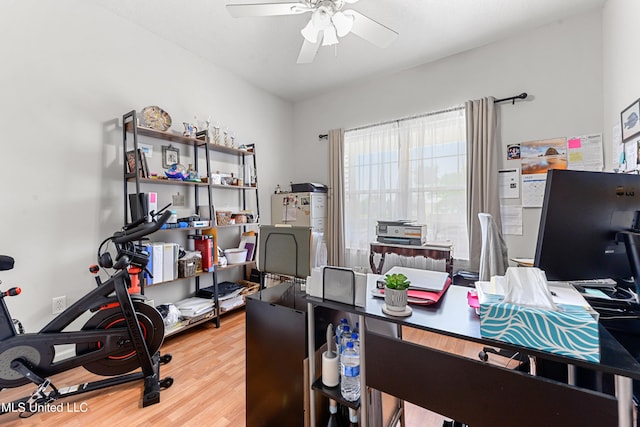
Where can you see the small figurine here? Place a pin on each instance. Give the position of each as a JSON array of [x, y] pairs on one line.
[[216, 134]]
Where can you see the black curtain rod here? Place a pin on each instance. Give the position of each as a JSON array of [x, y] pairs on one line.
[[523, 95]]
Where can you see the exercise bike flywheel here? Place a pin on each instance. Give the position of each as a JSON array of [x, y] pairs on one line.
[[126, 360]]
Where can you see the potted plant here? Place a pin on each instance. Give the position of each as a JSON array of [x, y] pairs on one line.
[[395, 292]]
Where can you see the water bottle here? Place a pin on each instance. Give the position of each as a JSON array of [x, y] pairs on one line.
[[339, 328], [350, 373], [349, 336], [343, 338], [356, 341], [333, 414], [353, 417]]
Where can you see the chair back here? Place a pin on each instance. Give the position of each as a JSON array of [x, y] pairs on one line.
[[493, 255]]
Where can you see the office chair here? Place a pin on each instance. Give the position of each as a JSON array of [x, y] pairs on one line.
[[494, 262], [493, 255]]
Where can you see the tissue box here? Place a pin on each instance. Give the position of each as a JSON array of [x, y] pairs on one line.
[[572, 331]]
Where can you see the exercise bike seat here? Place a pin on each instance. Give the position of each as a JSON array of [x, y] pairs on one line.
[[6, 262]]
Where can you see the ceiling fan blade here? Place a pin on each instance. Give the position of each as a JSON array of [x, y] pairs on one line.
[[371, 30], [308, 50], [267, 9]]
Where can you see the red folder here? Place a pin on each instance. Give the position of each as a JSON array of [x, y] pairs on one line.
[[423, 297]]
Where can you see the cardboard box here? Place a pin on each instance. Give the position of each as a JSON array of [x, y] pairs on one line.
[[572, 331]]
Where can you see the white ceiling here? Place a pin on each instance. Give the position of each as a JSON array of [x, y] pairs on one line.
[[263, 50]]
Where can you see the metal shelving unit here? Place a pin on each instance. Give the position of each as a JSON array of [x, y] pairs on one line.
[[198, 144]]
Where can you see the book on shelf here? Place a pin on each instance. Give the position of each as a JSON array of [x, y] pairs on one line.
[[143, 205], [155, 265], [170, 261], [138, 206], [248, 241]]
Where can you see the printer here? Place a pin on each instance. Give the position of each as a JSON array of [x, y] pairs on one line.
[[401, 232], [308, 187]]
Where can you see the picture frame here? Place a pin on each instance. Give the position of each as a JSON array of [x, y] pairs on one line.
[[630, 121], [170, 156], [513, 152], [143, 168]]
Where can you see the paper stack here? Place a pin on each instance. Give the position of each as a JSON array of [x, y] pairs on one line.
[[194, 306]]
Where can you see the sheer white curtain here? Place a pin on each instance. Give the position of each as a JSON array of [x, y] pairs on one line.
[[410, 169]]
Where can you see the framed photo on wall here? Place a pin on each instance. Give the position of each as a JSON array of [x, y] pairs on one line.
[[170, 156], [630, 121]]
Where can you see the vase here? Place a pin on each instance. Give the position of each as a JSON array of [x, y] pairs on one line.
[[396, 300]]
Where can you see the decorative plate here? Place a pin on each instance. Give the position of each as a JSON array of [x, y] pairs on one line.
[[156, 118]]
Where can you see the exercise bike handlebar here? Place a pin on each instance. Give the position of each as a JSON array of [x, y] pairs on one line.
[[141, 230]]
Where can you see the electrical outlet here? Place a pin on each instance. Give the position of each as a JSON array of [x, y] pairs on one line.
[[58, 304]]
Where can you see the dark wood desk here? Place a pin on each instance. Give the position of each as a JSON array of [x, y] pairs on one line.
[[434, 251], [475, 392]]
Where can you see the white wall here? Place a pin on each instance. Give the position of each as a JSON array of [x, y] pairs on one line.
[[69, 72], [620, 63], [560, 66]]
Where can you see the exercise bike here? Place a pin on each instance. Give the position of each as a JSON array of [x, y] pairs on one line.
[[123, 334]]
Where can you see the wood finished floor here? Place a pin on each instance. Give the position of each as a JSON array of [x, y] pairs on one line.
[[208, 368]]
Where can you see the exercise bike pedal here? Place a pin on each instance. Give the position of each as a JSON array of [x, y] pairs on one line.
[[164, 359]]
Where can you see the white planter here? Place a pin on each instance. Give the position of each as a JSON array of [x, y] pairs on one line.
[[395, 300]]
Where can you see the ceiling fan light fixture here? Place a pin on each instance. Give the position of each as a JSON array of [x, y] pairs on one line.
[[310, 32], [327, 22], [343, 23], [329, 38], [321, 18]]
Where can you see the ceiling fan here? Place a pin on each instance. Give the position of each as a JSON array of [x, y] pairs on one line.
[[328, 22]]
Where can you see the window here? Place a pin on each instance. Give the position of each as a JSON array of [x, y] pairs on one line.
[[410, 169]]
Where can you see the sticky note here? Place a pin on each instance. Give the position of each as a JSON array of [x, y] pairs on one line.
[[574, 143], [575, 157]]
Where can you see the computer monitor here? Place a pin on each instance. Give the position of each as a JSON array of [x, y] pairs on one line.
[[582, 213]]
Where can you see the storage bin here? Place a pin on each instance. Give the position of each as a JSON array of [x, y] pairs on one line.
[[235, 256], [240, 218], [188, 267], [223, 217]]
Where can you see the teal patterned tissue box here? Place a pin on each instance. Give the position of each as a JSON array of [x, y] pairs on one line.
[[572, 331]]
